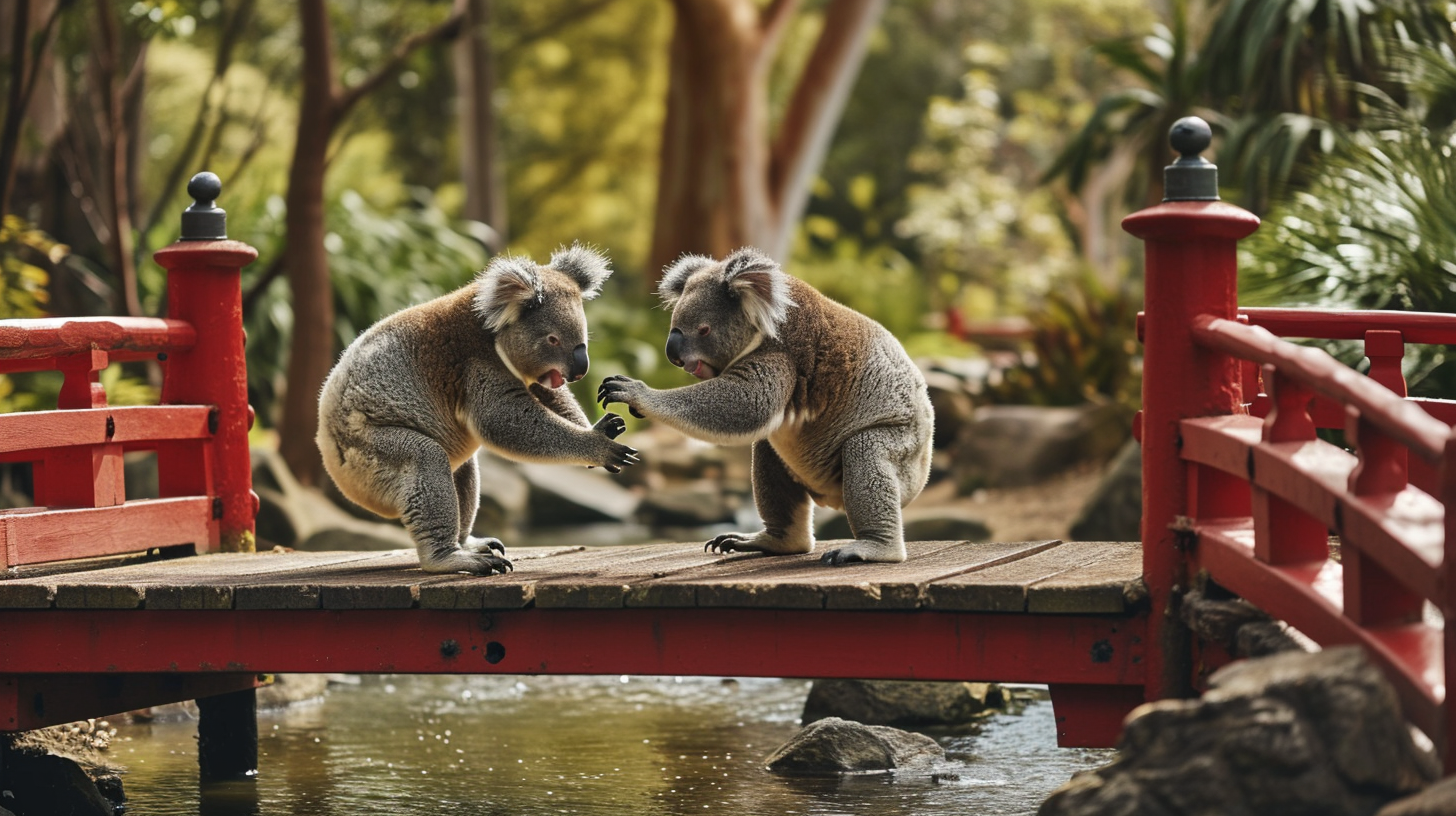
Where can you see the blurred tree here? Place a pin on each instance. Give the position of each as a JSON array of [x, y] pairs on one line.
[[475, 79], [323, 106], [724, 181]]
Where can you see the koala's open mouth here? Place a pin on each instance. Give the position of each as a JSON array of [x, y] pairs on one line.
[[703, 371], [552, 379]]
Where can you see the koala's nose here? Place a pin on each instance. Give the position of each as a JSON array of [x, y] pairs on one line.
[[674, 347], [579, 362]]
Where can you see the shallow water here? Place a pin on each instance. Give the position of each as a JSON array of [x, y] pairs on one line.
[[521, 746]]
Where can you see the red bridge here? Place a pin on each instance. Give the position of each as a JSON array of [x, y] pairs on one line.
[[109, 604]]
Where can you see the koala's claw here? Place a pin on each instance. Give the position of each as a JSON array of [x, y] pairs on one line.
[[479, 544], [836, 558], [613, 389], [725, 543], [610, 425]]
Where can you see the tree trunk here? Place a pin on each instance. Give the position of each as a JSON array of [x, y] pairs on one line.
[[724, 181], [714, 159], [480, 167], [323, 106], [311, 351]]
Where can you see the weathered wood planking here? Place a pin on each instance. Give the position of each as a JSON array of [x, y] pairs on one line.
[[804, 582], [1036, 576], [1081, 576]]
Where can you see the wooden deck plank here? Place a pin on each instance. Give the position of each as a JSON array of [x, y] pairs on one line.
[[1041, 577], [804, 582], [1054, 576], [604, 581]]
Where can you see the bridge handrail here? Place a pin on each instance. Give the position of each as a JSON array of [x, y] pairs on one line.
[[1436, 328], [1314, 369], [46, 337]]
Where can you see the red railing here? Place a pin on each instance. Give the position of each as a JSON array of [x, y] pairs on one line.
[[1252, 502], [199, 431]]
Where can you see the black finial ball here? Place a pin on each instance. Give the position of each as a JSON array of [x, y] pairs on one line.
[[1190, 136], [205, 188]]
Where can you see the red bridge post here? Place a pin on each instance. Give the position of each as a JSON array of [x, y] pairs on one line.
[[204, 288], [1191, 269]]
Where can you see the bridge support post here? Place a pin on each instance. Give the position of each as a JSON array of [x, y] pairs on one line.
[[1191, 269], [227, 736], [204, 288]]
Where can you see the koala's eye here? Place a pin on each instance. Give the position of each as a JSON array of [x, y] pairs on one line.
[[703, 331], [553, 340]]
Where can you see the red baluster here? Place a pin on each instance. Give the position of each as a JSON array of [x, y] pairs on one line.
[[1373, 597], [1283, 533]]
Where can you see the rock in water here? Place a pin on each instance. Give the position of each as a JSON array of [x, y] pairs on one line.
[[1295, 734], [901, 702], [834, 746]]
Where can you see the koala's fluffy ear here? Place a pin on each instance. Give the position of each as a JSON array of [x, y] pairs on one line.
[[761, 286], [589, 268], [505, 288], [676, 275]]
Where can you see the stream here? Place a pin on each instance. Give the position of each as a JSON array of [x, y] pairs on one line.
[[525, 746]]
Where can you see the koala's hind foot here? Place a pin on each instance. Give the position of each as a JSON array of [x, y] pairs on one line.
[[760, 542], [475, 563], [890, 552], [479, 544]]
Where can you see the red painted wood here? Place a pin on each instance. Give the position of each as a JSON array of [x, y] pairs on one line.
[[1309, 597], [1352, 324], [23, 435], [39, 338], [1445, 735], [1403, 531], [1091, 716], [1190, 269], [1403, 420], [35, 536], [204, 289], [925, 645], [39, 700]]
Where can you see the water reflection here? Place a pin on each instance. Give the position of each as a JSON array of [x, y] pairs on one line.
[[576, 745]]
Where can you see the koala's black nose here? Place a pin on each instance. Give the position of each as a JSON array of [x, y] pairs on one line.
[[579, 363], [674, 347]]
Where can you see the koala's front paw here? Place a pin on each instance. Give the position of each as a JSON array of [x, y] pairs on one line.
[[475, 563], [610, 425], [625, 390], [618, 456]]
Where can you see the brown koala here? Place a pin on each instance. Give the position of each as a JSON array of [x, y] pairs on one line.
[[414, 397]]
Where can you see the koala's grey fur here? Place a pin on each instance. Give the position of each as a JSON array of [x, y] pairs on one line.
[[836, 412], [414, 397]]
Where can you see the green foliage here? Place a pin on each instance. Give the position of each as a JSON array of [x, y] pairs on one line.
[[380, 263], [1376, 227], [22, 282], [1084, 349]]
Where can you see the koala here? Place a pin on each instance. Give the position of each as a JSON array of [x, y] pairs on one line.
[[836, 412], [416, 395]]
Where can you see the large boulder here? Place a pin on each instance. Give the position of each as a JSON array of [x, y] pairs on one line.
[[834, 746], [1437, 800], [1294, 734], [36, 783], [901, 702], [693, 504], [1018, 445], [952, 405], [305, 518], [1114, 511]]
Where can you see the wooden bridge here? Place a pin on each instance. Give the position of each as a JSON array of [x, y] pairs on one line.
[[169, 603]]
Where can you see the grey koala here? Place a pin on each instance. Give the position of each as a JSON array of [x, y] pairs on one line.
[[836, 412], [417, 394]]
